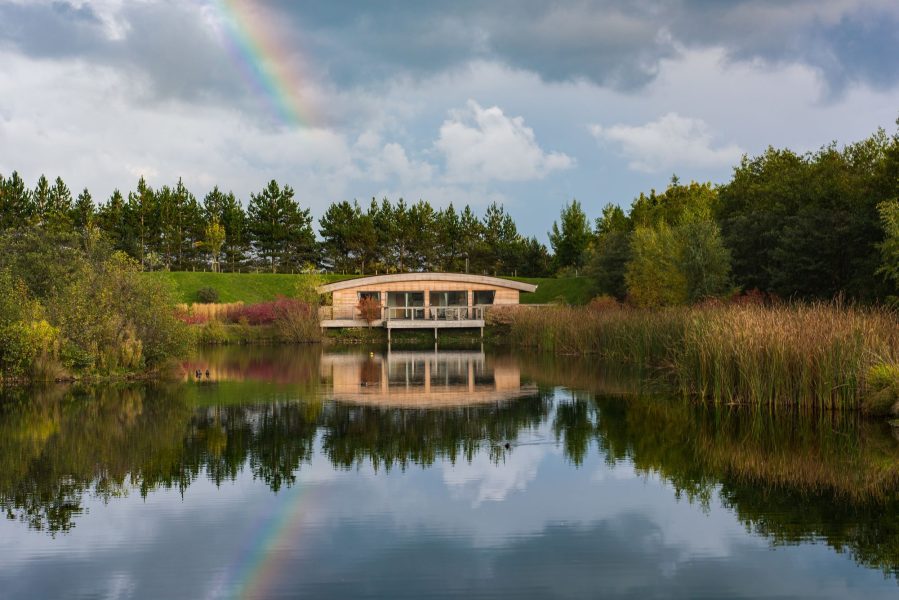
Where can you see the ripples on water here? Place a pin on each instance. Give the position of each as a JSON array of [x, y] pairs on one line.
[[292, 473]]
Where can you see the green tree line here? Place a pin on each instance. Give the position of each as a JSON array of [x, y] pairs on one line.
[[813, 225], [169, 228], [807, 226]]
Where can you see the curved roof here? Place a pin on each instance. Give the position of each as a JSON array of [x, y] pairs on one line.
[[457, 277]]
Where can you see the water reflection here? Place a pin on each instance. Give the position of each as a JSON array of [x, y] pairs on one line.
[[488, 427], [424, 379]]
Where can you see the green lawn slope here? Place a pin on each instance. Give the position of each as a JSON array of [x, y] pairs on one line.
[[259, 287], [566, 290]]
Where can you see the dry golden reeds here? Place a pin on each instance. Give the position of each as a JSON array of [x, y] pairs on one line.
[[815, 355], [209, 312]]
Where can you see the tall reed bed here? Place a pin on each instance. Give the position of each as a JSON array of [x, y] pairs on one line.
[[201, 313], [821, 355]]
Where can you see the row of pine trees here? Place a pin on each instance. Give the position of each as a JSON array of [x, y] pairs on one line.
[[815, 225], [169, 228]]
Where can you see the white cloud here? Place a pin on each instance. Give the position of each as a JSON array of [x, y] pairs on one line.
[[384, 162], [483, 144], [481, 480], [668, 142]]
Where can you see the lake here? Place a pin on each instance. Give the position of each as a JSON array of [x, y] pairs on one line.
[[302, 472]]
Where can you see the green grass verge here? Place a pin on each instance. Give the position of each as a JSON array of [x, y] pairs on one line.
[[259, 287], [234, 287], [566, 290]]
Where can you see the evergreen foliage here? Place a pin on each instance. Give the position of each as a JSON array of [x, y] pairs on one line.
[[571, 239], [810, 226]]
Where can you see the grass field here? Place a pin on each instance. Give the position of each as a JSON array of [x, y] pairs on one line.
[[259, 287]]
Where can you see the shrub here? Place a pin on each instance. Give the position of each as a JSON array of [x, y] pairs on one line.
[[86, 305], [370, 309], [883, 389], [213, 332], [604, 303], [262, 313], [208, 295], [29, 345], [306, 287], [296, 321], [502, 316]]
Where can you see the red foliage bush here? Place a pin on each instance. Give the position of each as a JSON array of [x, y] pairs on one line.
[[369, 309], [266, 313]]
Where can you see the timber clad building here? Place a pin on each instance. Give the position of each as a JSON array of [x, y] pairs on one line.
[[420, 300]]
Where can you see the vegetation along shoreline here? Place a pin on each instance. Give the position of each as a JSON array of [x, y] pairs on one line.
[[773, 289]]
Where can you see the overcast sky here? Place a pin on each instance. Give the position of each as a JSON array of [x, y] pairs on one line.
[[524, 102]]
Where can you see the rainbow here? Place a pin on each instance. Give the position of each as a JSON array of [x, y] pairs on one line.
[[258, 564], [268, 67]]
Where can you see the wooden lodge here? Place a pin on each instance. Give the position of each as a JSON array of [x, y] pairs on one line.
[[419, 300]]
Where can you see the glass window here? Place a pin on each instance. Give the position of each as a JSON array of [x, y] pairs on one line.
[[484, 297], [407, 301], [375, 295], [457, 298]]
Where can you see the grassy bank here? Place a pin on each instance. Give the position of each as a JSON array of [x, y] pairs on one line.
[[260, 287], [819, 356], [233, 287]]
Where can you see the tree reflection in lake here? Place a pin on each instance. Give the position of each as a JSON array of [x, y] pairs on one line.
[[270, 411]]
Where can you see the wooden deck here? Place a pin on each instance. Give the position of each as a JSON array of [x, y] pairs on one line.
[[446, 317]]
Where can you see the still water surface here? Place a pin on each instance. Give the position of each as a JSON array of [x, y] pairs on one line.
[[290, 473]]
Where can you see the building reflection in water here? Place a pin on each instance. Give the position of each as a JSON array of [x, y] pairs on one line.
[[423, 379]]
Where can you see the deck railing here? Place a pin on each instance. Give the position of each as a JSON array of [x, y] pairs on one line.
[[418, 313], [435, 313]]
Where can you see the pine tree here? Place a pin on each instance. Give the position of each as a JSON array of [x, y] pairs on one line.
[[59, 203], [571, 240], [421, 236], [280, 231], [502, 244], [224, 209], [83, 213], [40, 200], [140, 217], [382, 221], [300, 249], [449, 238], [335, 228], [168, 243], [15, 202], [191, 227], [473, 249], [111, 217], [234, 220], [402, 234]]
